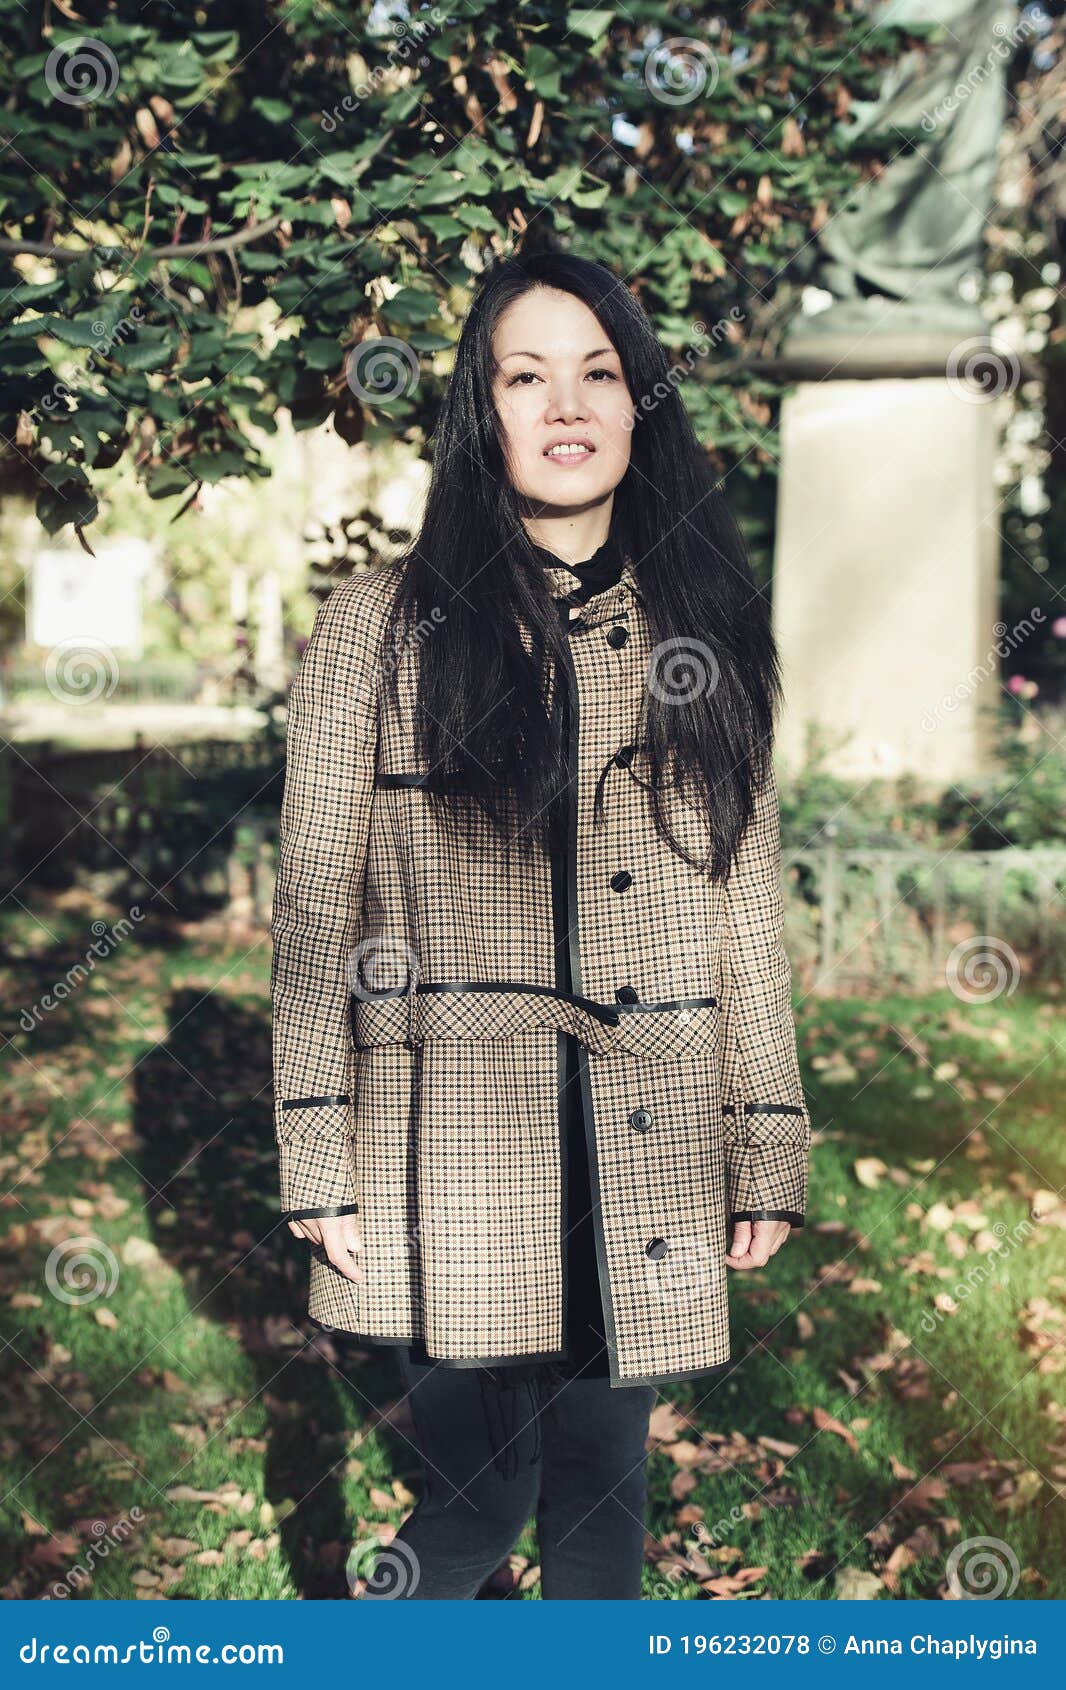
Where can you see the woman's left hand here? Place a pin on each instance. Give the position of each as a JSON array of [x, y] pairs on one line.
[[754, 1242]]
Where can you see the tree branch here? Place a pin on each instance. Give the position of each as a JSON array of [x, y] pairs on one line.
[[182, 249]]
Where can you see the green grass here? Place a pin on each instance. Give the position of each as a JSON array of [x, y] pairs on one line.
[[139, 1116]]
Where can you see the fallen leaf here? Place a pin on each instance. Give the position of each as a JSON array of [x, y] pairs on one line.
[[853, 1585], [826, 1423]]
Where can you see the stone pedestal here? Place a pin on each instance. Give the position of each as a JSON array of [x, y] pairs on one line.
[[885, 576]]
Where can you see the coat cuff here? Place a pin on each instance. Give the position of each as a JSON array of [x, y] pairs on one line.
[[767, 1152], [316, 1171]]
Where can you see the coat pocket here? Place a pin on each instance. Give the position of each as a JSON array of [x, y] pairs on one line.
[[675, 1032]]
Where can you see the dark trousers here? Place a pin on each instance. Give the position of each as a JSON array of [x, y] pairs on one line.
[[580, 1468]]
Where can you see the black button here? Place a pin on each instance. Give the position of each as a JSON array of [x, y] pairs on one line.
[[617, 636], [658, 1247], [621, 881], [640, 1119], [624, 756], [627, 994]]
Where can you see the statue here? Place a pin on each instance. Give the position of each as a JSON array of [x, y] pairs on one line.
[[894, 258]]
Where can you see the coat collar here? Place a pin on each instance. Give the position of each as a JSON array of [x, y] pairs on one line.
[[562, 581]]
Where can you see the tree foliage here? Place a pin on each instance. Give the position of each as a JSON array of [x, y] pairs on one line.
[[210, 211]]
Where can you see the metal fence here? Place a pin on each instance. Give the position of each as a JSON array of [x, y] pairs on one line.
[[859, 919], [197, 824], [918, 918]]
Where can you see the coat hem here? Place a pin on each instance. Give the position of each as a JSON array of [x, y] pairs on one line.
[[517, 1360]]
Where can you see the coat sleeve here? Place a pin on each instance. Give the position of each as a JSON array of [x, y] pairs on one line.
[[331, 745], [767, 1129]]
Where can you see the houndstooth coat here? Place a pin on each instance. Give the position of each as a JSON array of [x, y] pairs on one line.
[[419, 1038]]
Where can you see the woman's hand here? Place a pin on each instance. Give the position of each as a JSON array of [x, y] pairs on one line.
[[339, 1236], [754, 1242]]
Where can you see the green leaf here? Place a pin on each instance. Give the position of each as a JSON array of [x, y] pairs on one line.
[[68, 498], [165, 480], [411, 305], [144, 354], [589, 24], [443, 227], [320, 353], [542, 70], [275, 111]]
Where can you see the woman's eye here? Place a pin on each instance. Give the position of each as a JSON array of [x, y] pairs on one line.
[[531, 375]]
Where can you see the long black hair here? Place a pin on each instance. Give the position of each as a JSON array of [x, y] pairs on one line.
[[485, 732]]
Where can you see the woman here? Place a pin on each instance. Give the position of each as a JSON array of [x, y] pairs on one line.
[[535, 1064]]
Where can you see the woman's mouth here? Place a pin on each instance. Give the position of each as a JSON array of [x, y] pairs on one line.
[[570, 453]]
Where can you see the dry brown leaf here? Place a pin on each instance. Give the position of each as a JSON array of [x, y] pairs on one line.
[[825, 1422], [869, 1171], [852, 1584]]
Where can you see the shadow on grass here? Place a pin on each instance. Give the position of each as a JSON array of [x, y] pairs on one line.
[[206, 1151]]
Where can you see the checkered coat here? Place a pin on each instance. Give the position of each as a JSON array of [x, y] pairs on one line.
[[419, 1038]]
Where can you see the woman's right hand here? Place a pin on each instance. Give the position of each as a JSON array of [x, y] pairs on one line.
[[339, 1236]]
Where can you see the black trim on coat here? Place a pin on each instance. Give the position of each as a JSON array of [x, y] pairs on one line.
[[314, 1102], [767, 1215], [505, 1361], [417, 1345], [602, 1011], [765, 1109], [587, 1111], [561, 1066], [314, 1214]]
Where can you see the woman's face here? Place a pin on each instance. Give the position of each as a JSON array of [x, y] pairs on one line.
[[559, 380]]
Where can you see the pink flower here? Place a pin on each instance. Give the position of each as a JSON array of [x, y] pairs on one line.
[[1015, 684], [1058, 627]]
